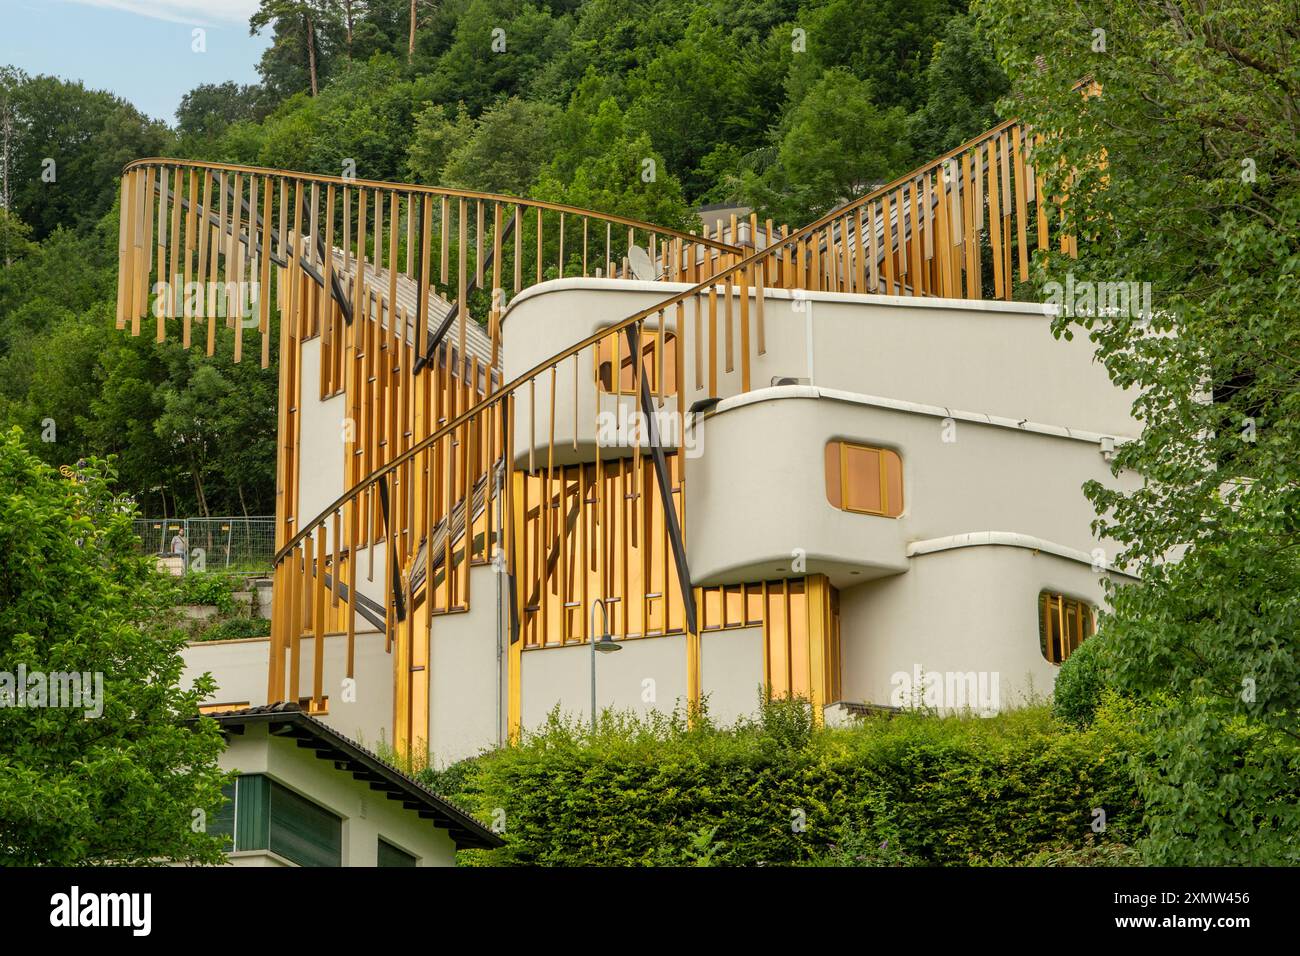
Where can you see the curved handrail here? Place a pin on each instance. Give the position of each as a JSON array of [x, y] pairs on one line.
[[523, 378], [448, 191], [927, 234]]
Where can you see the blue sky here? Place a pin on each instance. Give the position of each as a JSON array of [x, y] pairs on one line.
[[139, 49]]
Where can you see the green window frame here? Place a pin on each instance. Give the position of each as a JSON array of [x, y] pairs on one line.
[[265, 815], [390, 854]]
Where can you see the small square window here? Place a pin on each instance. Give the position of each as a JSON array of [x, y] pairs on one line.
[[863, 479]]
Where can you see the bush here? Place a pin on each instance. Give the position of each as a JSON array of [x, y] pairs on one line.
[[204, 588], [233, 628], [908, 789], [1080, 683]]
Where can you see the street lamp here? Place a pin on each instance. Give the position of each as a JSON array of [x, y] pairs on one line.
[[606, 645]]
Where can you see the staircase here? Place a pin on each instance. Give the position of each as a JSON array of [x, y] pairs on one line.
[[398, 294]]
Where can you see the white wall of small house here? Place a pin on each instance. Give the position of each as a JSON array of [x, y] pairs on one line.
[[367, 814], [467, 678], [239, 668]]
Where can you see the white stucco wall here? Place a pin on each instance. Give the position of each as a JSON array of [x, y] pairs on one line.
[[562, 675], [758, 492], [240, 669], [962, 610], [320, 474], [367, 814], [466, 683], [731, 672], [996, 358]]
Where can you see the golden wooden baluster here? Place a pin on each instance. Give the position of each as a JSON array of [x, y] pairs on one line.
[[191, 224], [160, 256], [462, 294], [478, 242], [445, 248], [264, 288], [995, 223]]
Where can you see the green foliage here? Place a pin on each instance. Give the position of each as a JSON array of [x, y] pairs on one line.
[[213, 589], [1080, 683], [1092, 852], [68, 146], [121, 787], [911, 789], [235, 628], [1199, 196], [615, 169], [837, 144]]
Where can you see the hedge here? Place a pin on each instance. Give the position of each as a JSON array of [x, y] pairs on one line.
[[907, 789]]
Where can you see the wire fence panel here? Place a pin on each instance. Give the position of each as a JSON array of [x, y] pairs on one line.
[[210, 544]]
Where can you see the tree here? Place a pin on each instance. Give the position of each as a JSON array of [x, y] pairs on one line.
[[210, 108], [120, 774], [838, 143], [299, 26], [1179, 163], [964, 84], [68, 145], [502, 151], [615, 169], [498, 49]]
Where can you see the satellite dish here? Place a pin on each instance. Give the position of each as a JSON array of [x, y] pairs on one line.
[[639, 261]]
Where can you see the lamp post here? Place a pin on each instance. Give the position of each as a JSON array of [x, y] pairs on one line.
[[606, 645]]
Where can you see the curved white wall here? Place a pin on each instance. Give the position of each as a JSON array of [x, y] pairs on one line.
[[997, 358], [966, 610], [757, 494]]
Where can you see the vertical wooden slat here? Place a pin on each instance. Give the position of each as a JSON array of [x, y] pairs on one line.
[[446, 239], [462, 281], [174, 244], [191, 224], [264, 273], [1022, 244], [995, 223]]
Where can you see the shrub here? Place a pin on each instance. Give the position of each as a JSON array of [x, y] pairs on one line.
[[208, 588], [1080, 683], [908, 789], [233, 628]]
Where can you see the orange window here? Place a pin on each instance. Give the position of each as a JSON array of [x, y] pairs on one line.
[[863, 479], [1063, 624]]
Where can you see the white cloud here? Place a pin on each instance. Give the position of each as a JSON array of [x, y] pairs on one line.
[[201, 12]]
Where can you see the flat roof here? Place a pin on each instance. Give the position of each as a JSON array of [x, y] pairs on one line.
[[291, 721]]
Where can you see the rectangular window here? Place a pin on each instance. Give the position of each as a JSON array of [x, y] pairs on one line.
[[863, 479], [223, 821], [303, 831], [1063, 624], [390, 855]]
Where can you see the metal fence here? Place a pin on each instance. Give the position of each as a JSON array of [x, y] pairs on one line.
[[210, 543]]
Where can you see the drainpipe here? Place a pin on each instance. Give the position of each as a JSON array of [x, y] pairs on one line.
[[499, 574]]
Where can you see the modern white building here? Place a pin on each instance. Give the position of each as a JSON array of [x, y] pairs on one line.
[[844, 463]]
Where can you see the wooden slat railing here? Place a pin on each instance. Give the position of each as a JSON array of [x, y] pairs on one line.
[[567, 532], [432, 482]]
